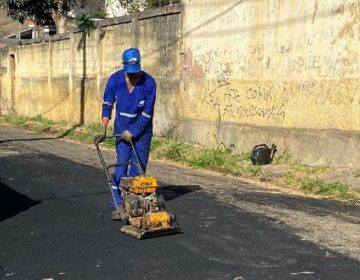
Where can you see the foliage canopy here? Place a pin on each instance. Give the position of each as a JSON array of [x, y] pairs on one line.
[[38, 11], [46, 11], [137, 5]]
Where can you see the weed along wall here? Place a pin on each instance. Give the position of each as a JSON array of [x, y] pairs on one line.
[[62, 78], [228, 71], [284, 72]]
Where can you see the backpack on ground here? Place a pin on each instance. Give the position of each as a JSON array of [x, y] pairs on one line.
[[262, 154]]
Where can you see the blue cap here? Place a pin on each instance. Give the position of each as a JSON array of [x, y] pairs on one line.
[[131, 60]]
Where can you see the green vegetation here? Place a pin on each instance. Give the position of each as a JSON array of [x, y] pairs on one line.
[[305, 177], [313, 185], [137, 5], [86, 21], [48, 12], [39, 11], [282, 158], [84, 134], [158, 3], [222, 159], [36, 123]]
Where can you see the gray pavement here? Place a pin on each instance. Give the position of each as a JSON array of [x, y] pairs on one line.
[[54, 223]]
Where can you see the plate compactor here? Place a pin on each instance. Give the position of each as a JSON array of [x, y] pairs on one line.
[[143, 208]]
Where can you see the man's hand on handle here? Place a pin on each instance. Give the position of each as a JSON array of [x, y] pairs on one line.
[[100, 137], [126, 136]]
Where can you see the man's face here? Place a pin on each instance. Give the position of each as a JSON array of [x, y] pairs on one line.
[[133, 75]]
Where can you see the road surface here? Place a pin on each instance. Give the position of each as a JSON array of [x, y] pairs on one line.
[[55, 223]]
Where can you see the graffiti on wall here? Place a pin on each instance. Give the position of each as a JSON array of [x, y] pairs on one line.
[[243, 102], [232, 101], [270, 100]]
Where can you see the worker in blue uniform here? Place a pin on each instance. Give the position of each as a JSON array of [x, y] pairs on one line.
[[134, 92]]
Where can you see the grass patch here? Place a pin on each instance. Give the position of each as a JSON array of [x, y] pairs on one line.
[[222, 159], [14, 120], [319, 187], [305, 177], [38, 123], [165, 148], [297, 166], [310, 184], [84, 133], [283, 158]]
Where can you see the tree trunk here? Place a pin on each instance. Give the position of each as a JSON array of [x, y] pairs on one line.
[[60, 21], [59, 15]]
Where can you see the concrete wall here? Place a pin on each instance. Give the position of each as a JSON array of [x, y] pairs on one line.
[[62, 78], [274, 71], [236, 72], [5, 97]]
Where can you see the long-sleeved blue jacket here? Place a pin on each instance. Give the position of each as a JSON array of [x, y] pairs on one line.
[[134, 111]]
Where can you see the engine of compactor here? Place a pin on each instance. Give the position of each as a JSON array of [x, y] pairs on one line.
[[144, 207]]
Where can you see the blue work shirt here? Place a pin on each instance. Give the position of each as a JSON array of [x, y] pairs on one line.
[[134, 111]]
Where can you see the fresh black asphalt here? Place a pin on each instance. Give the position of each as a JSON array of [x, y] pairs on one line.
[[55, 224]]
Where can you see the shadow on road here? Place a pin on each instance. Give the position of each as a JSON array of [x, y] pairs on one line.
[[171, 192], [12, 202]]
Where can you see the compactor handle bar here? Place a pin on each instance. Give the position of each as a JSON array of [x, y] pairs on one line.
[[107, 167], [138, 163]]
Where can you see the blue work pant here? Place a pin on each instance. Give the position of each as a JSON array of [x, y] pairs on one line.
[[125, 154]]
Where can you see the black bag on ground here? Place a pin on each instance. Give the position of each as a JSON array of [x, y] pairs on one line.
[[262, 154]]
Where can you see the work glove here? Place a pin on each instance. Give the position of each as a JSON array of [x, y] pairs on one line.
[[126, 136], [100, 137]]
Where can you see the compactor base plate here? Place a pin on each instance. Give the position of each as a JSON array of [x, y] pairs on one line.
[[143, 234]]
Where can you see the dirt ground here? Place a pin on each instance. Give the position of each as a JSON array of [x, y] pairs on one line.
[[330, 224]]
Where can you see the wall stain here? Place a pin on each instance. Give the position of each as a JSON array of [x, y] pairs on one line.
[[315, 10], [347, 29], [190, 70]]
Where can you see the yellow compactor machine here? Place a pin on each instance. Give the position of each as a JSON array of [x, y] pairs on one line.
[[143, 209]]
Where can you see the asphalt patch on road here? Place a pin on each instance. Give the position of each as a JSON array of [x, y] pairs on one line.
[[69, 235]]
